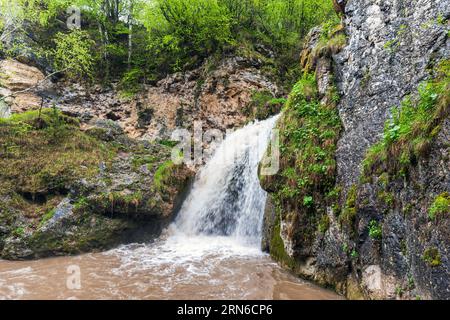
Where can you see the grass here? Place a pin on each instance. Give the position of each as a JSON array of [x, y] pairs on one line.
[[332, 40], [163, 174], [432, 257], [440, 206], [263, 105], [375, 231], [41, 157]]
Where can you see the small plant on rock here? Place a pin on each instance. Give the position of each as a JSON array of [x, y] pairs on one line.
[[432, 257], [440, 206], [375, 231]]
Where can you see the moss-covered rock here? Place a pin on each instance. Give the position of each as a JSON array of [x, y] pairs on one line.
[[309, 129], [66, 191]]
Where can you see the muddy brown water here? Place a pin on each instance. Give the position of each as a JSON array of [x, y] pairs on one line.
[[169, 269], [211, 251]]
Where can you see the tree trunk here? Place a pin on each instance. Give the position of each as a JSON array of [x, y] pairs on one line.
[[130, 34]]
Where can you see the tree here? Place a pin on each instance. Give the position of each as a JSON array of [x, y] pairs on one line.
[[74, 54]]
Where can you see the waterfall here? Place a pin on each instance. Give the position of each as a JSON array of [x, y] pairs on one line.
[[226, 198]]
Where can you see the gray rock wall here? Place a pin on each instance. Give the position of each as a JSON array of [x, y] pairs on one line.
[[390, 45]]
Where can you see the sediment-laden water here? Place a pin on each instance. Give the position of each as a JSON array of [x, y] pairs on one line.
[[211, 251]]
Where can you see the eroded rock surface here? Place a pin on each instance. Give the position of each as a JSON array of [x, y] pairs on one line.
[[390, 248]]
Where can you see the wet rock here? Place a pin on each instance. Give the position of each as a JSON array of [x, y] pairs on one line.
[[268, 225], [132, 198], [390, 48]]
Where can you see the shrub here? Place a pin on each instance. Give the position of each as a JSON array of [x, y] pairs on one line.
[[440, 206], [432, 257], [74, 54], [375, 231]]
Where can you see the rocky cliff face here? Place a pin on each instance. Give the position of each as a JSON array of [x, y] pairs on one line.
[[95, 200], [391, 47], [219, 95], [67, 191], [375, 233]]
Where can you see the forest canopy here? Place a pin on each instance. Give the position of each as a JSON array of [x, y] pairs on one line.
[[140, 41]]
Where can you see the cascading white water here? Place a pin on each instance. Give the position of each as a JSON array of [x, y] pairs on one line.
[[226, 198]]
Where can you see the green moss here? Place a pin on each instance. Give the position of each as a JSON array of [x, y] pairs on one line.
[[440, 206], [47, 154], [263, 105], [42, 157], [383, 179], [168, 143], [324, 223], [277, 250], [386, 197], [19, 231], [411, 284], [354, 254], [163, 174], [375, 231], [140, 160], [113, 202], [332, 40], [391, 45], [348, 215], [409, 134], [407, 209], [432, 257], [46, 217]]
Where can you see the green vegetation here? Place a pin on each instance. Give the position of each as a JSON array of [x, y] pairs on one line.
[[309, 129], [42, 156], [73, 54], [409, 134], [332, 40], [163, 174], [393, 44], [114, 202], [46, 217], [375, 231], [277, 250], [46, 153], [348, 215], [140, 41], [432, 257], [138, 161], [324, 223], [263, 105], [440, 206]]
